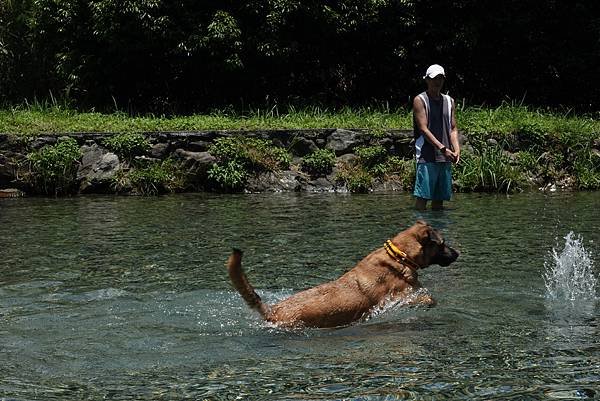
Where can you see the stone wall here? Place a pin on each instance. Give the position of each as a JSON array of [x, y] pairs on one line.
[[98, 166]]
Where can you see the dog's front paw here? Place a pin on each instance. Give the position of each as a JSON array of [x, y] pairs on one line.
[[422, 297], [426, 300]]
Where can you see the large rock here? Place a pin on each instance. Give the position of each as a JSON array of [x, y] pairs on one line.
[[159, 150], [195, 166], [281, 181], [97, 170], [323, 184], [198, 157], [42, 141], [302, 146], [342, 141]]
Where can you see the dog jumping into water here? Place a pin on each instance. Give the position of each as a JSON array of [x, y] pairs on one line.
[[387, 274]]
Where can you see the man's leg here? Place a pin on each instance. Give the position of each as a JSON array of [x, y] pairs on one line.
[[422, 190], [443, 186]]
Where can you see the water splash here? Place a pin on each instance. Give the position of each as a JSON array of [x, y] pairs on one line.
[[570, 274], [393, 304]]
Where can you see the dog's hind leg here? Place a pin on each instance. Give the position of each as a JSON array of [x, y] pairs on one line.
[[240, 282]]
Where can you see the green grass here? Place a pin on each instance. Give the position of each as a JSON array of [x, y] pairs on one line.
[[507, 120], [501, 122], [34, 120]]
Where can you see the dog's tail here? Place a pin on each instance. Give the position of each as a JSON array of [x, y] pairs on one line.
[[240, 282]]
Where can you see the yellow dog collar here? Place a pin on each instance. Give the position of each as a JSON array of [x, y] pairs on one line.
[[399, 256]]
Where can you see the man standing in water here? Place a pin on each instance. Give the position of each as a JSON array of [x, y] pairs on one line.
[[436, 146]]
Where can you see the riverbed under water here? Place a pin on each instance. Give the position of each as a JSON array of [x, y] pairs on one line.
[[128, 298]]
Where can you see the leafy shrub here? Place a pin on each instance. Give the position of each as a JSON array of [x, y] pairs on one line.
[[230, 176], [321, 161], [371, 157], [252, 153], [374, 161], [53, 168], [240, 156], [128, 145], [281, 156]]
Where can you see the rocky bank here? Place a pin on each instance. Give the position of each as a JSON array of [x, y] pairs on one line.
[[98, 166]]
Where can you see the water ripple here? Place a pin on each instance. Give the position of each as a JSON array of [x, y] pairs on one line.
[[128, 298]]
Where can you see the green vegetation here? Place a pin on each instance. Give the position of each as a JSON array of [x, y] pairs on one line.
[[504, 122], [511, 147], [54, 119], [319, 162], [149, 56], [128, 144], [545, 147], [150, 178], [374, 163], [228, 176], [587, 172], [488, 169], [238, 156], [53, 167], [355, 178], [142, 176], [402, 170], [372, 159]]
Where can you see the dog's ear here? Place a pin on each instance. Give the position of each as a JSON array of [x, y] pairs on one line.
[[422, 222], [434, 236]]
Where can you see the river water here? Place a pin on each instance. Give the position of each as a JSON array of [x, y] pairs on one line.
[[128, 298]]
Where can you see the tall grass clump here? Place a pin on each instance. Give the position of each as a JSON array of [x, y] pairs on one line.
[[587, 171], [488, 169], [547, 147]]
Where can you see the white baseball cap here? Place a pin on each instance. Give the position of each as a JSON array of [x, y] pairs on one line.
[[434, 70]]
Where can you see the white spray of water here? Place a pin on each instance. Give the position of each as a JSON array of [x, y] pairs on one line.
[[570, 273]]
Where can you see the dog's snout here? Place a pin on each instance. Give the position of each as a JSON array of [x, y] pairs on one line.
[[447, 256], [454, 253]]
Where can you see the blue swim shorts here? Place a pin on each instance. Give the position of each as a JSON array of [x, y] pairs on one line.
[[434, 181]]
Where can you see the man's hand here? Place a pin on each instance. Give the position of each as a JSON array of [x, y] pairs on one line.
[[456, 156], [452, 156]]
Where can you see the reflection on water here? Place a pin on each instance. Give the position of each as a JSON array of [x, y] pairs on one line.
[[128, 298]]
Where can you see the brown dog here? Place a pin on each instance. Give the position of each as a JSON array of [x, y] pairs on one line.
[[387, 274]]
